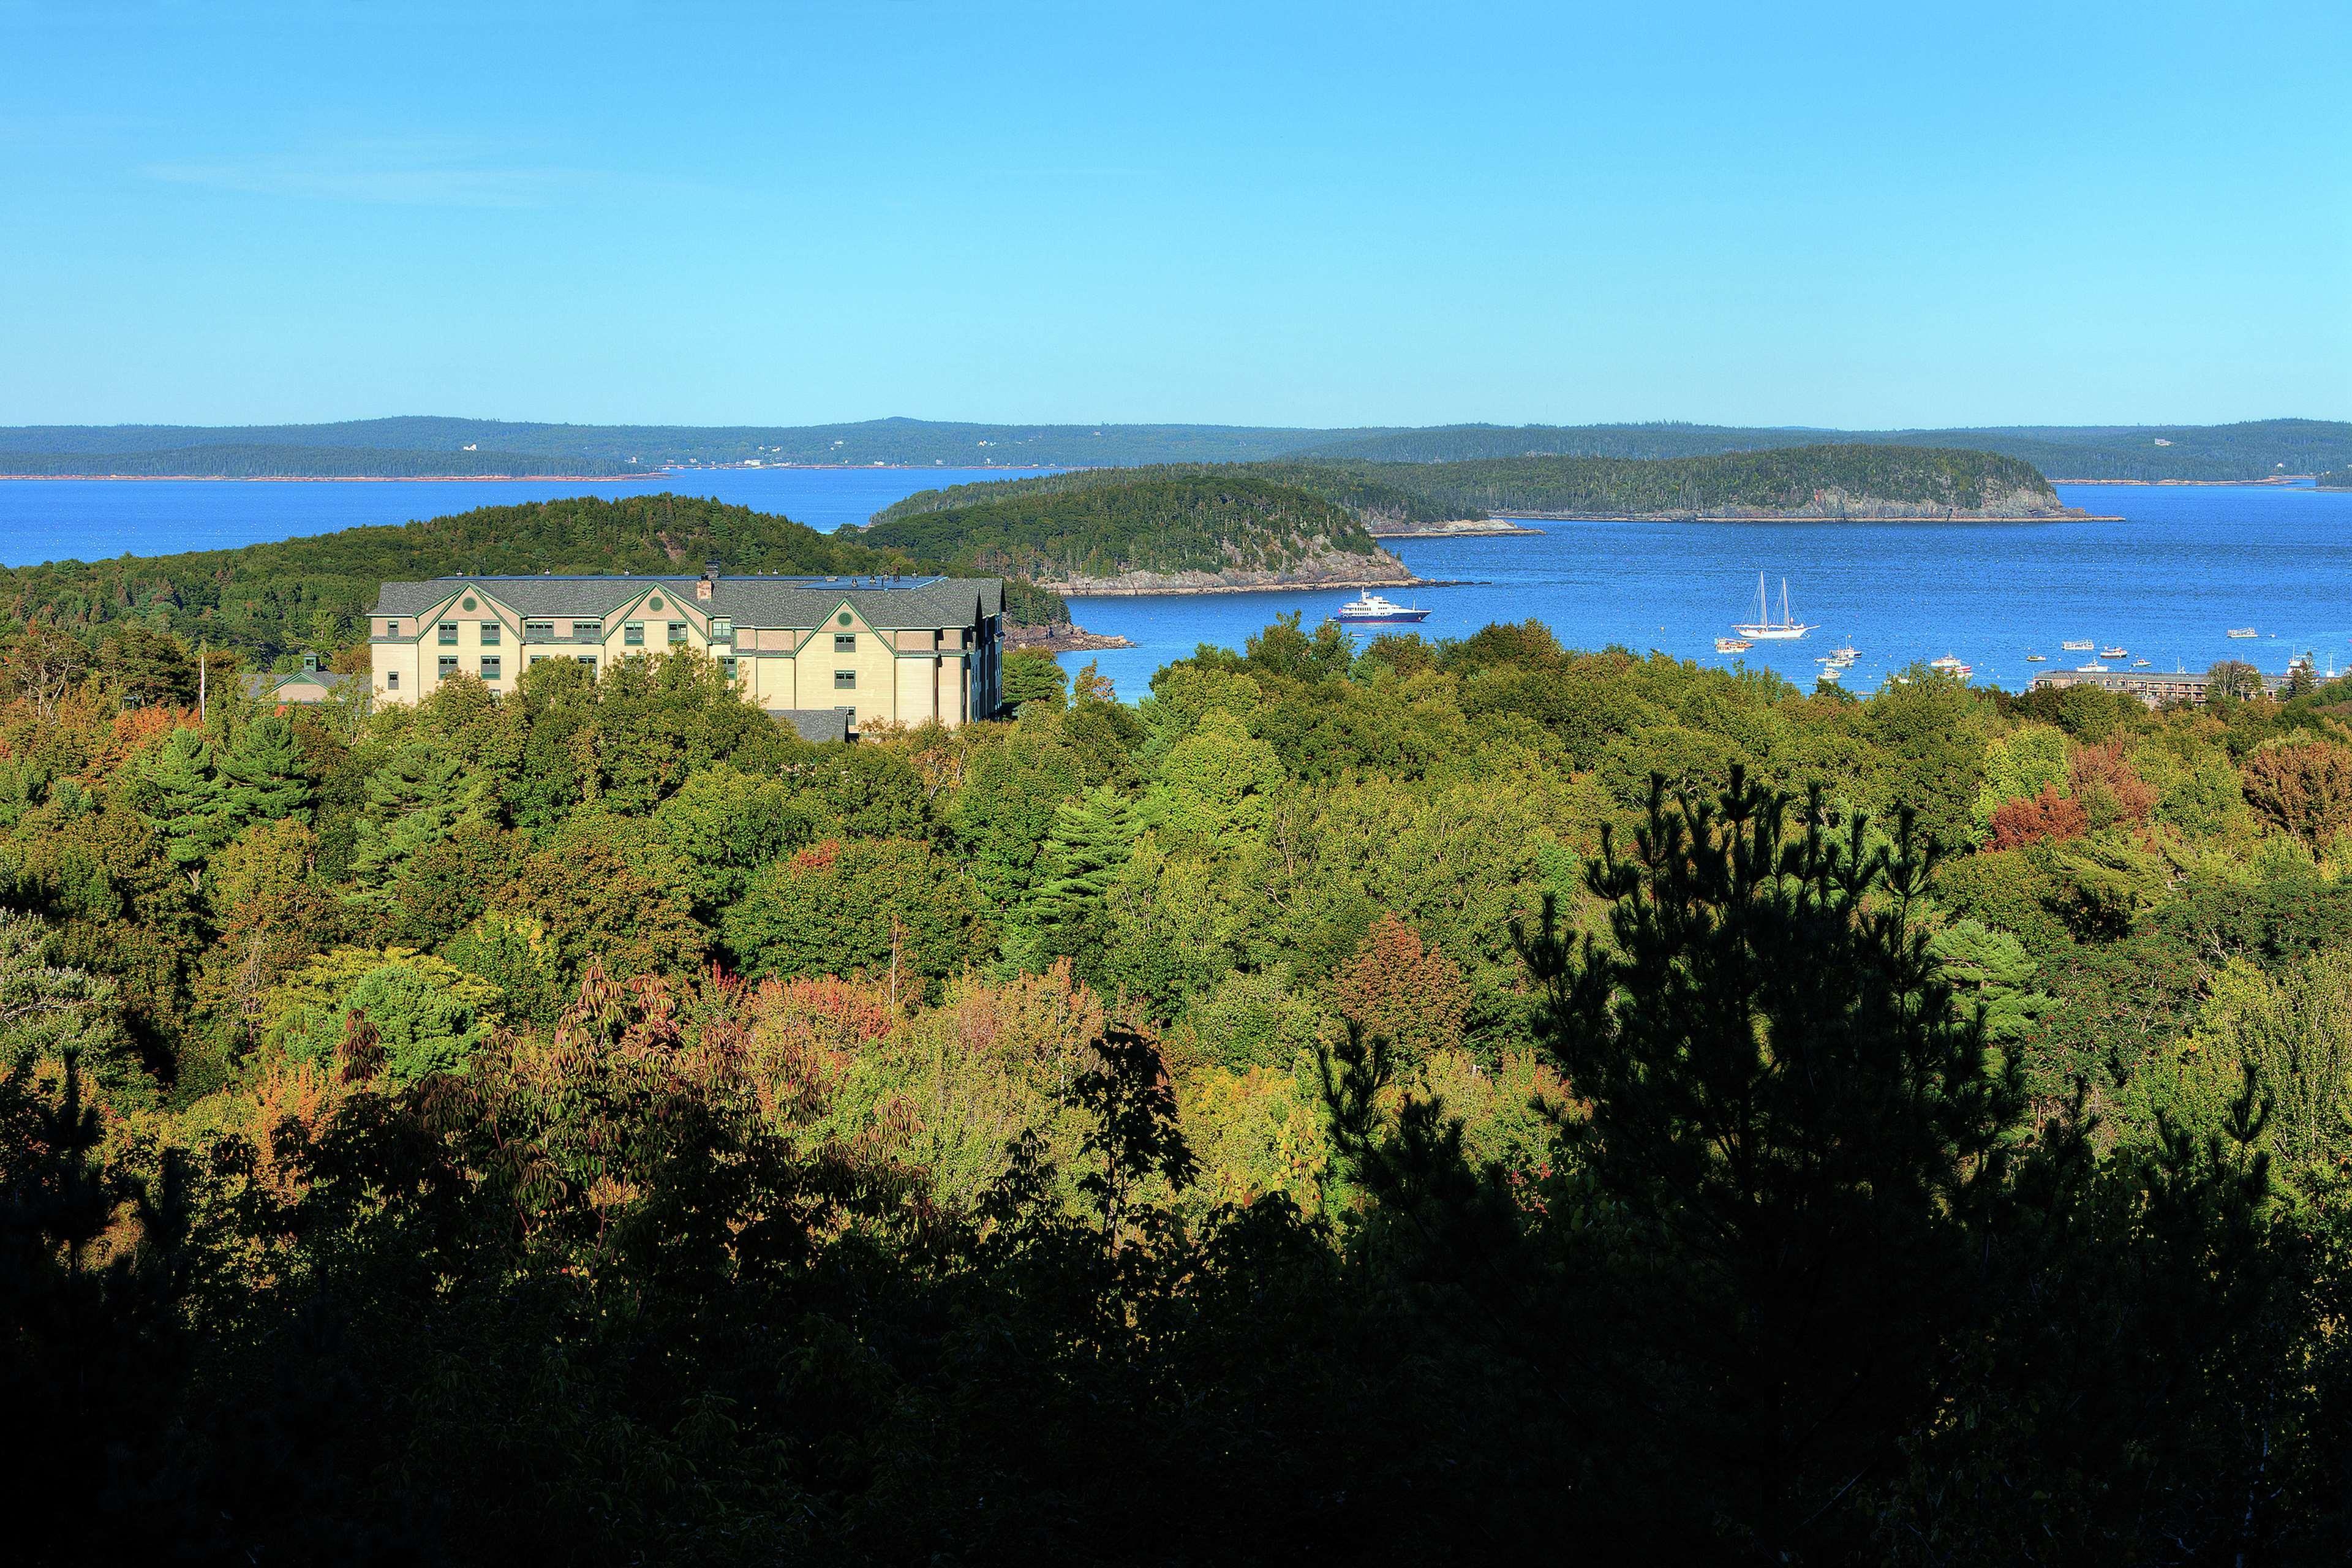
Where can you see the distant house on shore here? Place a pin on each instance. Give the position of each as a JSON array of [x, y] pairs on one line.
[[2154, 687], [298, 688], [823, 654]]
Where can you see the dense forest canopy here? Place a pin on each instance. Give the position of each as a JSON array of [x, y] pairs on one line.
[[1369, 500], [2252, 450], [271, 599], [1790, 478], [1396, 1102], [1156, 520]]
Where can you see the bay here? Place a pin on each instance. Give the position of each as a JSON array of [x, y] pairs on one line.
[[2187, 563], [2167, 583]]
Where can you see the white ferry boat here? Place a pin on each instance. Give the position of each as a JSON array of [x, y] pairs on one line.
[[1367, 608], [1951, 665], [1764, 628], [2242, 632], [2114, 651]]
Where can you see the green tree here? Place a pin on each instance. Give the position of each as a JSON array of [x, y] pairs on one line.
[[189, 804], [1991, 969], [724, 825], [1033, 675], [2018, 766], [885, 908], [1091, 841], [427, 1015], [1799, 1130], [263, 774]]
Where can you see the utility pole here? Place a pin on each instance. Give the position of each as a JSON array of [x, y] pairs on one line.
[[203, 658]]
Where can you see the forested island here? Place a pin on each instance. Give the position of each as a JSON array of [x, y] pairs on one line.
[[1849, 482], [1148, 531], [1407, 1102]]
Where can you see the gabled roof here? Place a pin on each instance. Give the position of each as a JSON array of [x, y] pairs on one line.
[[795, 602]]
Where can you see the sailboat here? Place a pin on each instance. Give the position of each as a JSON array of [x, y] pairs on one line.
[[1764, 628]]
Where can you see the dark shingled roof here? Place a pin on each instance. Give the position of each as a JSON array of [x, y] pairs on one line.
[[797, 602], [816, 723]]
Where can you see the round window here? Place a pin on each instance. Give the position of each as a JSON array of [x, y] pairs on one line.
[[844, 618], [655, 602], [469, 601]]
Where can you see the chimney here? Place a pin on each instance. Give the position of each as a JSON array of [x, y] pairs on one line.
[[310, 663], [710, 577]]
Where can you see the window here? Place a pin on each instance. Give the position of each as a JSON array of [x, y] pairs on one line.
[[844, 680], [593, 630], [587, 659], [677, 633], [392, 680], [448, 665], [727, 668], [491, 665], [538, 629], [723, 630], [391, 628], [633, 635], [492, 631], [845, 642], [448, 634]]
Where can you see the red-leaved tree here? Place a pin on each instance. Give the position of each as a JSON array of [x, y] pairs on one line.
[[1399, 987]]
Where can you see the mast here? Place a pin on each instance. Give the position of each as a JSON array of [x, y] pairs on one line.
[[1784, 604]]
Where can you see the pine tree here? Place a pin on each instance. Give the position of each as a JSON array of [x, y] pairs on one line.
[[1802, 1139], [188, 803], [1092, 839], [262, 776]]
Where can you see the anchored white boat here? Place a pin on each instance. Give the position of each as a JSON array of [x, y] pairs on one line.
[[2243, 632], [1951, 665], [1764, 628], [1732, 644], [2078, 645], [2114, 651], [1367, 608]]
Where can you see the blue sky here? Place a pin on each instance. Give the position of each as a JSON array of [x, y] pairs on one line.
[[1266, 213]]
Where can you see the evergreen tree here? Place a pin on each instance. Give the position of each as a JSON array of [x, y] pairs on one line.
[[188, 803], [1800, 1136], [1093, 839], [262, 775], [414, 800]]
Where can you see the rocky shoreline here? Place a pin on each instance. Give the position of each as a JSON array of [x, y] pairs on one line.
[[1457, 527], [1063, 638]]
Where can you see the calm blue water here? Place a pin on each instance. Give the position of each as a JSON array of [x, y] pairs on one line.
[[2190, 564], [2187, 563], [88, 520]]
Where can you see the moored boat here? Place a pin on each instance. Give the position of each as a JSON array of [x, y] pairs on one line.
[[1764, 628], [2242, 632], [1367, 608], [2113, 651], [1732, 644], [2078, 645], [2037, 658], [1952, 665]]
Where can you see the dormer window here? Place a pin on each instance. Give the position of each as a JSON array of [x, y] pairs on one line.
[[722, 629]]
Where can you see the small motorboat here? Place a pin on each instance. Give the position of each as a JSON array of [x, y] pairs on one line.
[[2078, 645], [2242, 632], [2112, 652], [2037, 658], [1848, 653], [2140, 664], [1834, 674], [1732, 644]]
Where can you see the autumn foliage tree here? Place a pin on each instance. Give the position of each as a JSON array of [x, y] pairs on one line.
[[2303, 785], [2047, 816], [1399, 989], [2108, 788]]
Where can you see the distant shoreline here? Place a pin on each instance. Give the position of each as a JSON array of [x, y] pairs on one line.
[[349, 479], [2070, 515], [2278, 479]]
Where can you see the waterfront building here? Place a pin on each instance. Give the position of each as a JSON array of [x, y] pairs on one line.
[[824, 654], [2154, 687]]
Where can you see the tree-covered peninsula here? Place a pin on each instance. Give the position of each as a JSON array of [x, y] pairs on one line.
[[1858, 482], [269, 599], [249, 461], [1162, 529]]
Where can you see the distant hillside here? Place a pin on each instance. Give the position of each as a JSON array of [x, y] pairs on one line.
[[268, 599], [617, 448], [1821, 481], [1159, 529], [2254, 450], [227, 461]]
